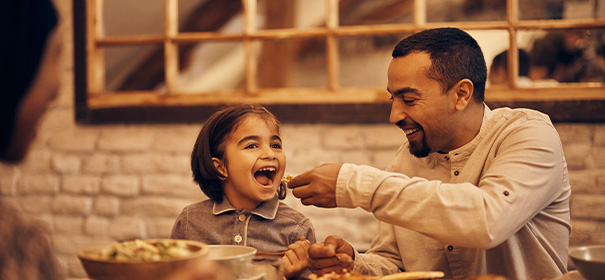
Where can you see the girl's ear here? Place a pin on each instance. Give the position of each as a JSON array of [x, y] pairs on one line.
[[220, 166]]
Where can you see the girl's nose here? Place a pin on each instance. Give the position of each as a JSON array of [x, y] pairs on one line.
[[267, 153]]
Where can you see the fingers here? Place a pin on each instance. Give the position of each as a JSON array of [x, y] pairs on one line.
[[334, 254], [300, 180], [296, 258]]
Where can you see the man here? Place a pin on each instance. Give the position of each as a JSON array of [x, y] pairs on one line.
[[472, 191]]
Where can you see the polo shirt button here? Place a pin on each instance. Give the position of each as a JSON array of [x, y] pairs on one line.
[[506, 193], [456, 173], [238, 238], [450, 247], [241, 217]]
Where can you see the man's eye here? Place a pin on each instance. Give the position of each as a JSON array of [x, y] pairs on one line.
[[409, 101]]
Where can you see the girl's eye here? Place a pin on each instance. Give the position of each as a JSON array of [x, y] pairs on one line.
[[251, 146], [276, 146]]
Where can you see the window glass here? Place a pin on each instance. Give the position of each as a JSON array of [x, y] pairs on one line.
[[133, 17], [465, 10], [125, 67], [202, 16], [361, 12], [559, 9]]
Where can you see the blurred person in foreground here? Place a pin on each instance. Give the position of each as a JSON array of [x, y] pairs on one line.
[[471, 191], [30, 56]]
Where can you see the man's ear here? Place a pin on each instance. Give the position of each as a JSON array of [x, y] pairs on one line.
[[463, 92], [220, 166]]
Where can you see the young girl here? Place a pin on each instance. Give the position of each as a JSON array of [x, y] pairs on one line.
[[238, 162]]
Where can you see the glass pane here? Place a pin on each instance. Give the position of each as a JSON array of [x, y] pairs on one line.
[[137, 17], [280, 14], [566, 55], [559, 9], [363, 12], [364, 60], [224, 16], [292, 63], [465, 10], [211, 67], [136, 67]]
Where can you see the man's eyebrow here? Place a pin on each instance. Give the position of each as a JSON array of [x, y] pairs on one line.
[[403, 91]]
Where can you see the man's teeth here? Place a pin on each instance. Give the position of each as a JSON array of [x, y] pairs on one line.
[[410, 131], [267, 169]]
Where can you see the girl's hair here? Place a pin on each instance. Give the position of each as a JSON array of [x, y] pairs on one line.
[[211, 143]]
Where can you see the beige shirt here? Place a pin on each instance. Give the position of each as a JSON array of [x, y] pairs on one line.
[[498, 205]]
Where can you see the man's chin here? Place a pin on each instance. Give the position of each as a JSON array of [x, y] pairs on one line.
[[419, 152]]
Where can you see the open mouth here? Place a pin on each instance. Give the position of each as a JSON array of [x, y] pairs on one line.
[[265, 176]]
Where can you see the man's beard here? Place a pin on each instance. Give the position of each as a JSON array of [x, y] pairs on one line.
[[421, 150]]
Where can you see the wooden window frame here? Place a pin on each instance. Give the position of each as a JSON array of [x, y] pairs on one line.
[[583, 102]]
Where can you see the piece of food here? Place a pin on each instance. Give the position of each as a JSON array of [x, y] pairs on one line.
[[139, 250], [286, 179], [345, 275]]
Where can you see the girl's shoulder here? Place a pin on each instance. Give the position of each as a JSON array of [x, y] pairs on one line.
[[287, 211]]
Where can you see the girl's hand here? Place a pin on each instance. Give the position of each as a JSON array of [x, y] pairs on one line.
[[296, 258]]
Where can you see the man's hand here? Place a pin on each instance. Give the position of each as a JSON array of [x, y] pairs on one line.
[[334, 254], [296, 258], [317, 186]]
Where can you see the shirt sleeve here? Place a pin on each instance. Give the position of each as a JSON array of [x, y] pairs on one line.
[[180, 224], [383, 258], [520, 175]]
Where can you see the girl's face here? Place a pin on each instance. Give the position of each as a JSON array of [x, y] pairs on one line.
[[254, 163]]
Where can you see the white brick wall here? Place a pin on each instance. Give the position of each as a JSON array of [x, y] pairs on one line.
[[95, 184]]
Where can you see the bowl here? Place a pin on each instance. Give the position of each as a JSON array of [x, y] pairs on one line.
[[590, 261], [104, 262], [233, 258]]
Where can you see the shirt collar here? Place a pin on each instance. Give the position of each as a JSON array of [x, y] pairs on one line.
[[266, 210], [469, 147]]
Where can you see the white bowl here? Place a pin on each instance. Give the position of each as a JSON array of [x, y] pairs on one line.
[[234, 258], [590, 261]]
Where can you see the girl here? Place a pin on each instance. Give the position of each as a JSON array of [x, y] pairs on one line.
[[238, 162]]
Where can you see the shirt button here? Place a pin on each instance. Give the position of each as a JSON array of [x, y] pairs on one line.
[[447, 158], [241, 217], [238, 238], [450, 247], [506, 193], [456, 173]]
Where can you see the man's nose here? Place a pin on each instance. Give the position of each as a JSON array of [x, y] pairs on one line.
[[397, 113]]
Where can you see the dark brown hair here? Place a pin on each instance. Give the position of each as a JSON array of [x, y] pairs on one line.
[[211, 143]]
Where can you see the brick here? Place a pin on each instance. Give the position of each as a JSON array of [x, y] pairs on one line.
[[37, 160], [81, 184], [170, 186], [385, 136], [343, 137], [107, 206], [74, 140], [124, 186], [127, 228], [100, 164], [71, 205], [96, 226], [297, 137], [66, 163], [126, 139], [153, 207], [597, 154], [586, 232], [178, 139], [583, 207], [574, 133], [357, 157], [599, 135], [38, 184], [153, 163], [36, 204], [160, 227], [302, 160], [68, 224], [584, 181], [576, 154]]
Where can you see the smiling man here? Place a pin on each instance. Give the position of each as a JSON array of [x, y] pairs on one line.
[[472, 191]]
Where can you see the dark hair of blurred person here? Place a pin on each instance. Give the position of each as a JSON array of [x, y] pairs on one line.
[[29, 61]]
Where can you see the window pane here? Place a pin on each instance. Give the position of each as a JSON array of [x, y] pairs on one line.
[[280, 14], [465, 10], [211, 67], [364, 60], [558, 9], [292, 63], [224, 16], [140, 17], [363, 12], [567, 55], [137, 67]]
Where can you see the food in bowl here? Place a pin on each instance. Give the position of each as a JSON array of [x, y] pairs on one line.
[[140, 259], [589, 260]]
